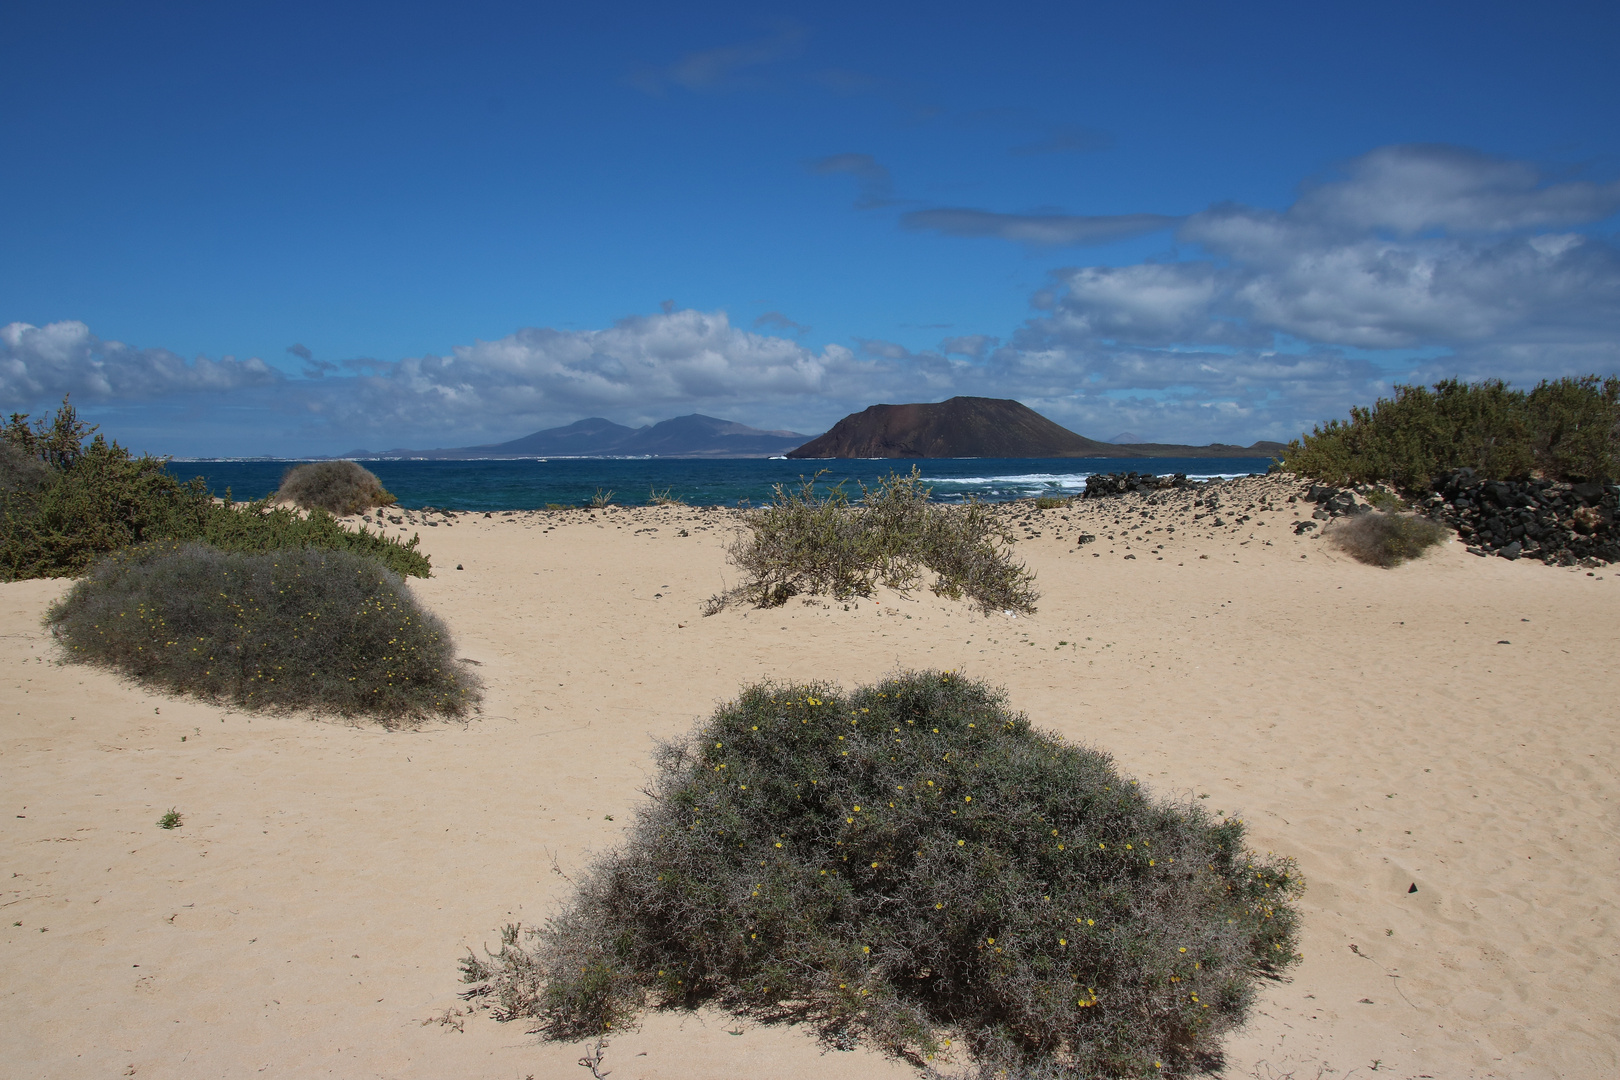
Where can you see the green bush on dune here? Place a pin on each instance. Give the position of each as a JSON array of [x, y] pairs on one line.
[[330, 631], [1563, 429], [67, 498], [257, 526], [809, 542], [906, 864]]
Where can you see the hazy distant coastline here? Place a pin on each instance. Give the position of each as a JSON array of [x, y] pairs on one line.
[[962, 427]]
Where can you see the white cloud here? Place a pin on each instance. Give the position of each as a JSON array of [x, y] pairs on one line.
[[1145, 304], [1415, 247], [39, 362], [643, 368], [1408, 189], [1286, 317], [974, 346], [1036, 230]]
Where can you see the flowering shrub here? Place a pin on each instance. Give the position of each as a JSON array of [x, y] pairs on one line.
[[914, 865], [330, 631]]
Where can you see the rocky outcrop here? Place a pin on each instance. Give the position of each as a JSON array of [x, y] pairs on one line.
[[1101, 485], [975, 427], [1561, 524], [963, 427]]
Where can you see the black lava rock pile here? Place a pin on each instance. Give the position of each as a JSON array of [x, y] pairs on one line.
[[1560, 524], [1331, 502], [1102, 484]]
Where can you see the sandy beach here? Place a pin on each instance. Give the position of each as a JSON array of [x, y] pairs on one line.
[[1450, 724]]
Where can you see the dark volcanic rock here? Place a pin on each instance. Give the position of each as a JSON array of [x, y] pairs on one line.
[[1103, 484], [960, 427], [1562, 524]]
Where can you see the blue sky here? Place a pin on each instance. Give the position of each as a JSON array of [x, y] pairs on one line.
[[296, 228]]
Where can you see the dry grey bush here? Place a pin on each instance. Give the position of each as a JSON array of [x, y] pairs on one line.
[[805, 542], [338, 487], [1386, 540]]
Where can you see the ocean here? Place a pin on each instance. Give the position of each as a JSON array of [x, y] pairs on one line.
[[532, 484]]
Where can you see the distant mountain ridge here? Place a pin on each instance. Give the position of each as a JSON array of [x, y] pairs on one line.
[[963, 427], [968, 427], [691, 436]]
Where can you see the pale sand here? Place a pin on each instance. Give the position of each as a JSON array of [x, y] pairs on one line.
[[307, 918]]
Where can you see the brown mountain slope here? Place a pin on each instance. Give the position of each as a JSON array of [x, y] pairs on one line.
[[960, 427]]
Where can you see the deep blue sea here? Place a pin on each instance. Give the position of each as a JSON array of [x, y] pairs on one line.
[[532, 484]]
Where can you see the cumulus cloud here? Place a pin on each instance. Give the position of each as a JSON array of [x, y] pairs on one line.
[[1412, 263], [313, 368], [646, 367], [1036, 230], [44, 362], [1145, 304], [889, 350], [1411, 188], [1412, 247], [974, 346], [641, 369]]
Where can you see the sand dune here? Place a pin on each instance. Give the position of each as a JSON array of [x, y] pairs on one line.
[[1450, 724]]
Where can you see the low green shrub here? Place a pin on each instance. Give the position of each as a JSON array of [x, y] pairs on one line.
[[98, 500], [813, 542], [338, 487], [907, 864], [1564, 429], [67, 498], [329, 631], [258, 526], [1050, 502], [1380, 539]]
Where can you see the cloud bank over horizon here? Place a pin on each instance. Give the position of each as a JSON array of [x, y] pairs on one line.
[[1410, 263]]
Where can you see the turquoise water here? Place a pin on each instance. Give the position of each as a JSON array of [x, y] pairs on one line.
[[532, 484]]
